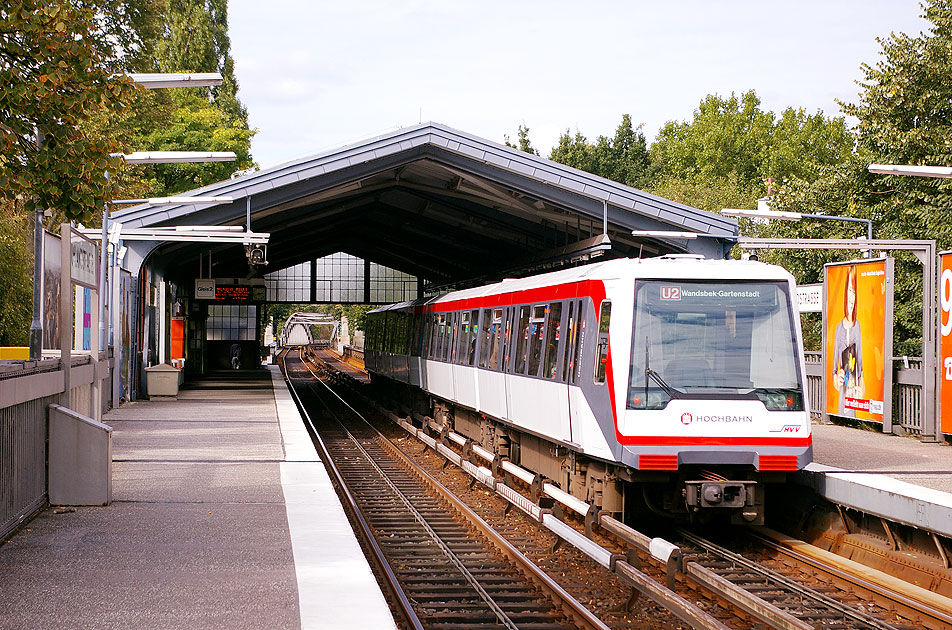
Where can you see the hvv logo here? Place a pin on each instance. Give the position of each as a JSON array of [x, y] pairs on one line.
[[670, 293], [787, 428]]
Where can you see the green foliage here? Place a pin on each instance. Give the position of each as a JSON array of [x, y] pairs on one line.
[[16, 276], [623, 158], [524, 143], [194, 39], [734, 140], [56, 74]]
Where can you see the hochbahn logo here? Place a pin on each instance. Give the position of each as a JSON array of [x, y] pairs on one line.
[[687, 418]]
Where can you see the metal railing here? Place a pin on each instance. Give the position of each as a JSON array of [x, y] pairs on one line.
[[26, 391], [906, 395]]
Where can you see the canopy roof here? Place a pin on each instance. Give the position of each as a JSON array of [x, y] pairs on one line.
[[433, 202]]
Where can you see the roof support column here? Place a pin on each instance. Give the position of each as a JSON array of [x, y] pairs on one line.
[[313, 280], [366, 281]]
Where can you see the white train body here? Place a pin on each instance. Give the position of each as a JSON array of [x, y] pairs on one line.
[[614, 371]]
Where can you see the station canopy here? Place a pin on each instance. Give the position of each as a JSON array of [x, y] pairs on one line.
[[439, 204]]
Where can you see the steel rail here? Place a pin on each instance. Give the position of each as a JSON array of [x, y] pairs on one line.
[[570, 606], [893, 594], [847, 611], [378, 556]]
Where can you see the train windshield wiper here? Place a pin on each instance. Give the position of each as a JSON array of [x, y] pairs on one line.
[[649, 373], [667, 389]]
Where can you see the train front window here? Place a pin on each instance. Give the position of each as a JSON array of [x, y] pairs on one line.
[[713, 340]]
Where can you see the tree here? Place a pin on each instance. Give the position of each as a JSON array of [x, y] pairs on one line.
[[525, 144], [195, 39], [16, 307], [623, 158], [57, 65]]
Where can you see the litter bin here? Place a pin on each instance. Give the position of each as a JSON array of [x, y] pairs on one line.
[[162, 380]]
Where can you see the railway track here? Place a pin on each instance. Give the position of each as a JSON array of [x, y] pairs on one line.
[[448, 568], [818, 596]]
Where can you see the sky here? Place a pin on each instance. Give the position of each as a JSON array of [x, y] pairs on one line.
[[316, 75]]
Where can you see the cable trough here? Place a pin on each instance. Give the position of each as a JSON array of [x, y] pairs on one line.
[[442, 561]]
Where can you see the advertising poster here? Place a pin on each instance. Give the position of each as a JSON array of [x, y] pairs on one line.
[[857, 330], [51, 287], [945, 342]]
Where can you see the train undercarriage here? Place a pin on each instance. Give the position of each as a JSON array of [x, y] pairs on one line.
[[694, 494]]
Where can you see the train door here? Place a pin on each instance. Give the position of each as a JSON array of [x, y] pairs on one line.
[[492, 382], [571, 367]]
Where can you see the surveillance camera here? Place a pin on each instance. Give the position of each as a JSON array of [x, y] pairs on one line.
[[257, 255]]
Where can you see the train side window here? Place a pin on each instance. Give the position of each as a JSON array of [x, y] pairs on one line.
[[569, 343], [522, 340], [601, 353], [473, 335], [484, 337], [580, 325], [553, 329], [496, 340], [508, 339], [462, 342], [536, 337], [452, 355]]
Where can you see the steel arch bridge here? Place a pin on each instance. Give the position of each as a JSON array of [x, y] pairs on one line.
[[297, 328]]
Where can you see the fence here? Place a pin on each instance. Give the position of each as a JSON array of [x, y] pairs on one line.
[[26, 391], [907, 390]]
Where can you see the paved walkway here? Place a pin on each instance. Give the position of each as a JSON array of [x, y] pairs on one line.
[[903, 458], [198, 534]]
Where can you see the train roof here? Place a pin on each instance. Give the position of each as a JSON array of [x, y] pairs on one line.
[[674, 267]]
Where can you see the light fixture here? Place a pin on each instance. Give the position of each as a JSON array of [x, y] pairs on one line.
[[915, 171], [689, 236]]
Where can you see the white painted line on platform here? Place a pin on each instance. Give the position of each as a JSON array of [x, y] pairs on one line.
[[295, 439], [336, 587]]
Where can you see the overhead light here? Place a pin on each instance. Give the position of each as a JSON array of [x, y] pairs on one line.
[[689, 236], [762, 214], [916, 171], [173, 157], [154, 81]]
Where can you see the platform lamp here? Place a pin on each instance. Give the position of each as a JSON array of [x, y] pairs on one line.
[[914, 171], [153, 157], [797, 216]]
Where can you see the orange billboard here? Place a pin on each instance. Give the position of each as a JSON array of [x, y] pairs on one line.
[[857, 326], [945, 342]]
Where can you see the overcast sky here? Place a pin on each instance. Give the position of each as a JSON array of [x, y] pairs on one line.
[[316, 75]]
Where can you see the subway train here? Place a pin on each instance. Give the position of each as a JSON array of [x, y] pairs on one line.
[[671, 385]]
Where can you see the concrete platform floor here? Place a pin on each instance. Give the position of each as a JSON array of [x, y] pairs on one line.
[[904, 458], [197, 535]]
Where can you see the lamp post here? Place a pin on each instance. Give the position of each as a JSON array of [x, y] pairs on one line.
[[914, 171], [797, 216]]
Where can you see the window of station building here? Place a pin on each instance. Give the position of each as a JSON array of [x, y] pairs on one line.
[[340, 278], [292, 284], [231, 322], [390, 285]]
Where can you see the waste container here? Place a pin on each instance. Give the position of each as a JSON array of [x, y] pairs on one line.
[[162, 380]]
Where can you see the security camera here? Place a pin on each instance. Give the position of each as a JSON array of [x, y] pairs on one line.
[[257, 255]]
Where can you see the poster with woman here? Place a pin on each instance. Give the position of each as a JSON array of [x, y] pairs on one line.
[[856, 319]]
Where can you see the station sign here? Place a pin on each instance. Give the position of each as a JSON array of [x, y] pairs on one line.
[[233, 293], [84, 260], [810, 298], [204, 288]]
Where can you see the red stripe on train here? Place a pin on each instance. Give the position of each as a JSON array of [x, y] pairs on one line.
[[708, 440]]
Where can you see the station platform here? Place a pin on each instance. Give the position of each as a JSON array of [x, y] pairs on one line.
[[222, 517], [898, 478]]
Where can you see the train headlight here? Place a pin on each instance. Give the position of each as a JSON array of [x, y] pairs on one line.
[[781, 400]]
